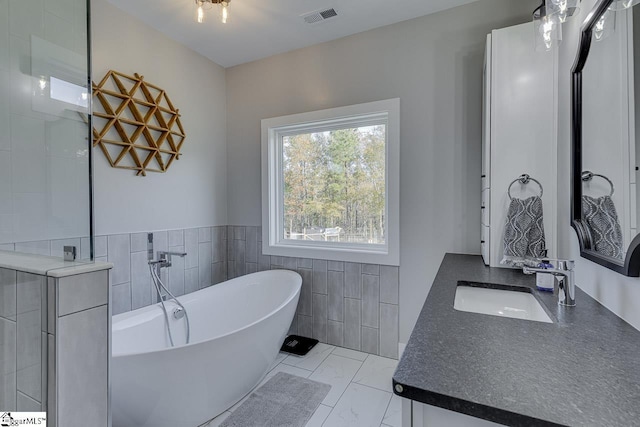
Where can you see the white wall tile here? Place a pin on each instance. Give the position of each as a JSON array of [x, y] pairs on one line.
[[65, 137], [29, 217], [5, 170], [42, 247], [27, 134], [26, 18], [5, 107], [59, 30], [29, 172], [4, 40], [20, 79]]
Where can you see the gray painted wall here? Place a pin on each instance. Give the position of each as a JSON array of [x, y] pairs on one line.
[[193, 191], [434, 65]]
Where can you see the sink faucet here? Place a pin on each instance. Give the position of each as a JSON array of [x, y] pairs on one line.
[[563, 271]]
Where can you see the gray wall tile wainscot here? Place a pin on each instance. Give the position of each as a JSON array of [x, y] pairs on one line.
[[8, 295], [204, 265], [77, 293], [84, 338], [139, 242], [23, 323], [352, 323], [341, 303], [141, 289], [119, 253]]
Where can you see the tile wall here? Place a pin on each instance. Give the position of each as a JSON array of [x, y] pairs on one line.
[[23, 337], [346, 304], [131, 285], [44, 163]]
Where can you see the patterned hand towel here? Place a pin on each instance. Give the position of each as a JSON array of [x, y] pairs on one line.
[[602, 222], [524, 233]]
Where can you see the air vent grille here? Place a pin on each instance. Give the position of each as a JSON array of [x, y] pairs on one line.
[[319, 15]]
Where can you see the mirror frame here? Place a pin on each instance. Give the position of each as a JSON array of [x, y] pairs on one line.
[[631, 266]]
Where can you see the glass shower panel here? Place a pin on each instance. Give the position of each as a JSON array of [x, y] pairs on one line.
[[23, 342], [45, 196]]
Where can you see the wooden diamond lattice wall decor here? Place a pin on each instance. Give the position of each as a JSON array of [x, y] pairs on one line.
[[138, 128]]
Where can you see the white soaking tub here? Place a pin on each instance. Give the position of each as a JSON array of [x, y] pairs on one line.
[[237, 328]]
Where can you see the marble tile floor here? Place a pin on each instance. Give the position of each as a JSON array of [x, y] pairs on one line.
[[361, 393]]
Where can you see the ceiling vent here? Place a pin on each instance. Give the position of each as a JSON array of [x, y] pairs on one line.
[[319, 15]]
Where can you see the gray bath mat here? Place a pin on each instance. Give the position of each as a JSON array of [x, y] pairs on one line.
[[284, 401]]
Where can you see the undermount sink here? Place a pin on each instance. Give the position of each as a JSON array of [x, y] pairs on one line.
[[515, 302]]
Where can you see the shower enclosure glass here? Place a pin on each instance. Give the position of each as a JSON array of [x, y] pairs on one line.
[[45, 148], [45, 176]]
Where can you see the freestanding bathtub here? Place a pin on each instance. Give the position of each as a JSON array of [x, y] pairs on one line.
[[237, 328]]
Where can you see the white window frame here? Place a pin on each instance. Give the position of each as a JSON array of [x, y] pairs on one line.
[[274, 129]]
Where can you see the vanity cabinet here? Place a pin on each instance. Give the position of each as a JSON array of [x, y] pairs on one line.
[[519, 133], [416, 414]]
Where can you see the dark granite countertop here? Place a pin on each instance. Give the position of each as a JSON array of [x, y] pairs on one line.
[[583, 369]]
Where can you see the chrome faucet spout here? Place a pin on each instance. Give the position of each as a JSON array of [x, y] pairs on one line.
[[563, 271], [164, 258]]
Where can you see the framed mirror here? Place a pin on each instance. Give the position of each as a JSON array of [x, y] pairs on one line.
[[605, 181]]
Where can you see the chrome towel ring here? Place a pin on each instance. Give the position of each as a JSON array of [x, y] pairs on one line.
[[524, 179], [588, 176]]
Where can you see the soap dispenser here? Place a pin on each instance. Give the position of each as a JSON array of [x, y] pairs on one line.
[[545, 282]]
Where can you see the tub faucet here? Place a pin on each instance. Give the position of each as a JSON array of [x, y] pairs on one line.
[[563, 271], [164, 258]]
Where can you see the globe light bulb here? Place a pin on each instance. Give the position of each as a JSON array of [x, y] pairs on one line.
[[224, 13], [200, 15]]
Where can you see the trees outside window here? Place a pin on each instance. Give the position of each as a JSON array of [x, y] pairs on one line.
[[330, 184]]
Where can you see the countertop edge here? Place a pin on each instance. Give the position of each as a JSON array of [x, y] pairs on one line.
[[49, 266], [488, 413]]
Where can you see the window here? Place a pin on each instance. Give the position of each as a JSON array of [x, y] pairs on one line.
[[330, 182]]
